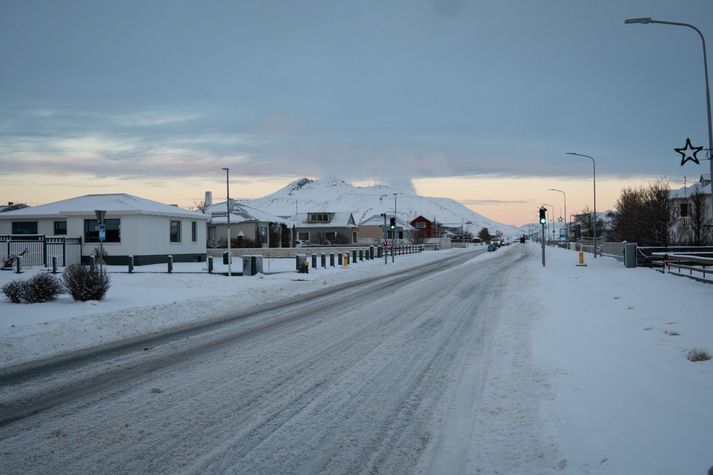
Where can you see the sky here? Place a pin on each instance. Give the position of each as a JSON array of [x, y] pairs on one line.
[[473, 100]]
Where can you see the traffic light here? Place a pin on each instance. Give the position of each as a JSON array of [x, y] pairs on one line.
[[392, 223], [543, 217]]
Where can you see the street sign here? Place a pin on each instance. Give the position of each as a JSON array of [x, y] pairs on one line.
[[100, 215], [102, 232]]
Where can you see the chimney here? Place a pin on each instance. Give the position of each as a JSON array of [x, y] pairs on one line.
[[208, 199]]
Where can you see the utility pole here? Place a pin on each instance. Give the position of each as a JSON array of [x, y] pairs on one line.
[[227, 206]]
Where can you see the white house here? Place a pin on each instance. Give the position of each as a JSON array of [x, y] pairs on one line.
[[145, 229]]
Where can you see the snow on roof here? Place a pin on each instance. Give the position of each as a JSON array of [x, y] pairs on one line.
[[242, 213], [113, 203], [340, 219], [688, 190], [378, 220]]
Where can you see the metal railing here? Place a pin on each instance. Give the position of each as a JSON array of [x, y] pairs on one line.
[[698, 265], [38, 249]]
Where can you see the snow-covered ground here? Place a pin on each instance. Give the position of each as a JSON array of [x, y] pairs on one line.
[[152, 300], [599, 352], [614, 342]]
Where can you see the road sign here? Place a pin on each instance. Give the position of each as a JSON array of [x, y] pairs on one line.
[[102, 232]]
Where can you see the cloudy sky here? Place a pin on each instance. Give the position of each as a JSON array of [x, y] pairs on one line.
[[474, 100]]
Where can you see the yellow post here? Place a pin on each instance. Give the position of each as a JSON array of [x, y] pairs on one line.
[[345, 261], [581, 259]]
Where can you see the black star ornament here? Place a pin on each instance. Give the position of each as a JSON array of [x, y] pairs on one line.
[[686, 154]]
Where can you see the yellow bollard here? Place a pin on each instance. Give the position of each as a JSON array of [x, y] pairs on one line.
[[581, 260], [346, 260]]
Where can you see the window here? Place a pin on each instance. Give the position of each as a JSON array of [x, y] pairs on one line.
[[24, 227], [303, 236], [420, 225], [354, 237], [112, 228], [319, 218], [684, 210], [60, 228], [175, 231], [330, 236], [194, 231]]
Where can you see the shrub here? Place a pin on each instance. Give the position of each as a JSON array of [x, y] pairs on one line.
[[42, 287], [84, 284], [14, 290]]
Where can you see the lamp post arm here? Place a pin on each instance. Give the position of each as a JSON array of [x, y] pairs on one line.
[[708, 91]]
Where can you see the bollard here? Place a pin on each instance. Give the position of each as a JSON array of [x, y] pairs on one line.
[[170, 263], [346, 260], [331, 259], [301, 264], [92, 263], [361, 255], [210, 264], [54, 264], [371, 253], [353, 256], [18, 265], [379, 252], [131, 264], [225, 258], [340, 259], [581, 260], [323, 260], [314, 261]]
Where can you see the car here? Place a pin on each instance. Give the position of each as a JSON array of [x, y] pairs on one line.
[[492, 247]]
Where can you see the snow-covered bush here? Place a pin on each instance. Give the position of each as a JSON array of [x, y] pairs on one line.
[[14, 290], [40, 288], [697, 354], [84, 284]]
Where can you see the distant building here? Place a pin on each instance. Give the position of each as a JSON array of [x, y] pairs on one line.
[[425, 226], [249, 227], [326, 227], [371, 230]]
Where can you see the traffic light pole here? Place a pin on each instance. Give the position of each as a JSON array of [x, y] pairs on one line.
[[543, 245], [386, 255]]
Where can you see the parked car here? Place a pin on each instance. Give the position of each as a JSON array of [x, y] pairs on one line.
[[492, 247]]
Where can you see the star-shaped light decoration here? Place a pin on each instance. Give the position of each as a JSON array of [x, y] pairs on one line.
[[686, 154]]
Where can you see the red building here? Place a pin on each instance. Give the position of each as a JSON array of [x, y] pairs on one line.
[[425, 225]]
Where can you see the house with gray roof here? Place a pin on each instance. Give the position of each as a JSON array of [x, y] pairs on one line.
[[249, 227], [325, 227]]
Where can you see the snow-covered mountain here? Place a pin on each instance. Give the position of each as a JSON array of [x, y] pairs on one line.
[[305, 195]]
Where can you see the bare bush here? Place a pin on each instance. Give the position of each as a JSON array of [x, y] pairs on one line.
[[14, 291], [42, 287], [84, 284]]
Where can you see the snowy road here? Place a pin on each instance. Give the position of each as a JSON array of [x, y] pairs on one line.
[[389, 377]]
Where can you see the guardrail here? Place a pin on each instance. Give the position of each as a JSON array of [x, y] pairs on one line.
[[700, 263]]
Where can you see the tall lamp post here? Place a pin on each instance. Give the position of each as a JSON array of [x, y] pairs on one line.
[[227, 207], [396, 226], [552, 219], [646, 21], [566, 228], [594, 180]]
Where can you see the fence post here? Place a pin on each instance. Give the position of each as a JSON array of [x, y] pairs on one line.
[[210, 264], [44, 250], [170, 263], [131, 264], [18, 265], [92, 263], [54, 264], [64, 251]]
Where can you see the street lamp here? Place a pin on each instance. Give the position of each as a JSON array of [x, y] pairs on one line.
[[594, 180], [552, 219], [646, 21], [227, 207], [393, 235], [566, 228]]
